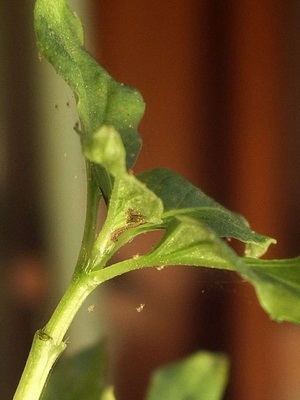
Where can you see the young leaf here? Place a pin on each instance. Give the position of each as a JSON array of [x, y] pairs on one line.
[[181, 197], [81, 376], [277, 284], [100, 99], [202, 376], [105, 147], [133, 209]]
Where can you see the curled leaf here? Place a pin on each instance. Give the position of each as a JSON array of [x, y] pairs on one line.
[[180, 197]]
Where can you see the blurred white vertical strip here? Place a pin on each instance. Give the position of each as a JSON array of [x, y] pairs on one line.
[[63, 194]]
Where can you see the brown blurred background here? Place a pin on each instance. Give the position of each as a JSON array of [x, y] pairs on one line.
[[221, 81]]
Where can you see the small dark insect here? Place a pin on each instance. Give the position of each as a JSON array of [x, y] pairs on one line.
[[43, 335], [134, 218]]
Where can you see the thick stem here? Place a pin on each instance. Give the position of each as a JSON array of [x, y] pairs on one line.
[[43, 354], [48, 343]]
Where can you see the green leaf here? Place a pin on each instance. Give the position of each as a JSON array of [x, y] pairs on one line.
[[189, 242], [277, 284], [202, 376], [81, 376], [186, 242], [100, 99], [133, 204], [181, 197]]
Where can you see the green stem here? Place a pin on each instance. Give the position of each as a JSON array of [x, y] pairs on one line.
[[49, 342], [42, 356], [120, 268], [90, 228]]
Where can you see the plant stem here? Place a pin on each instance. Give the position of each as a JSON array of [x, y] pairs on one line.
[[90, 227], [49, 342]]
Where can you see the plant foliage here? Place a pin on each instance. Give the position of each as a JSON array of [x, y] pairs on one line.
[[194, 226]]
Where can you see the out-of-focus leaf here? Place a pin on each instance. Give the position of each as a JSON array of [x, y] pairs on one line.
[[108, 394], [78, 377], [181, 197], [277, 284], [202, 376]]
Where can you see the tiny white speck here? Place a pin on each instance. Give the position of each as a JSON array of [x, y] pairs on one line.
[[91, 308], [140, 307]]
